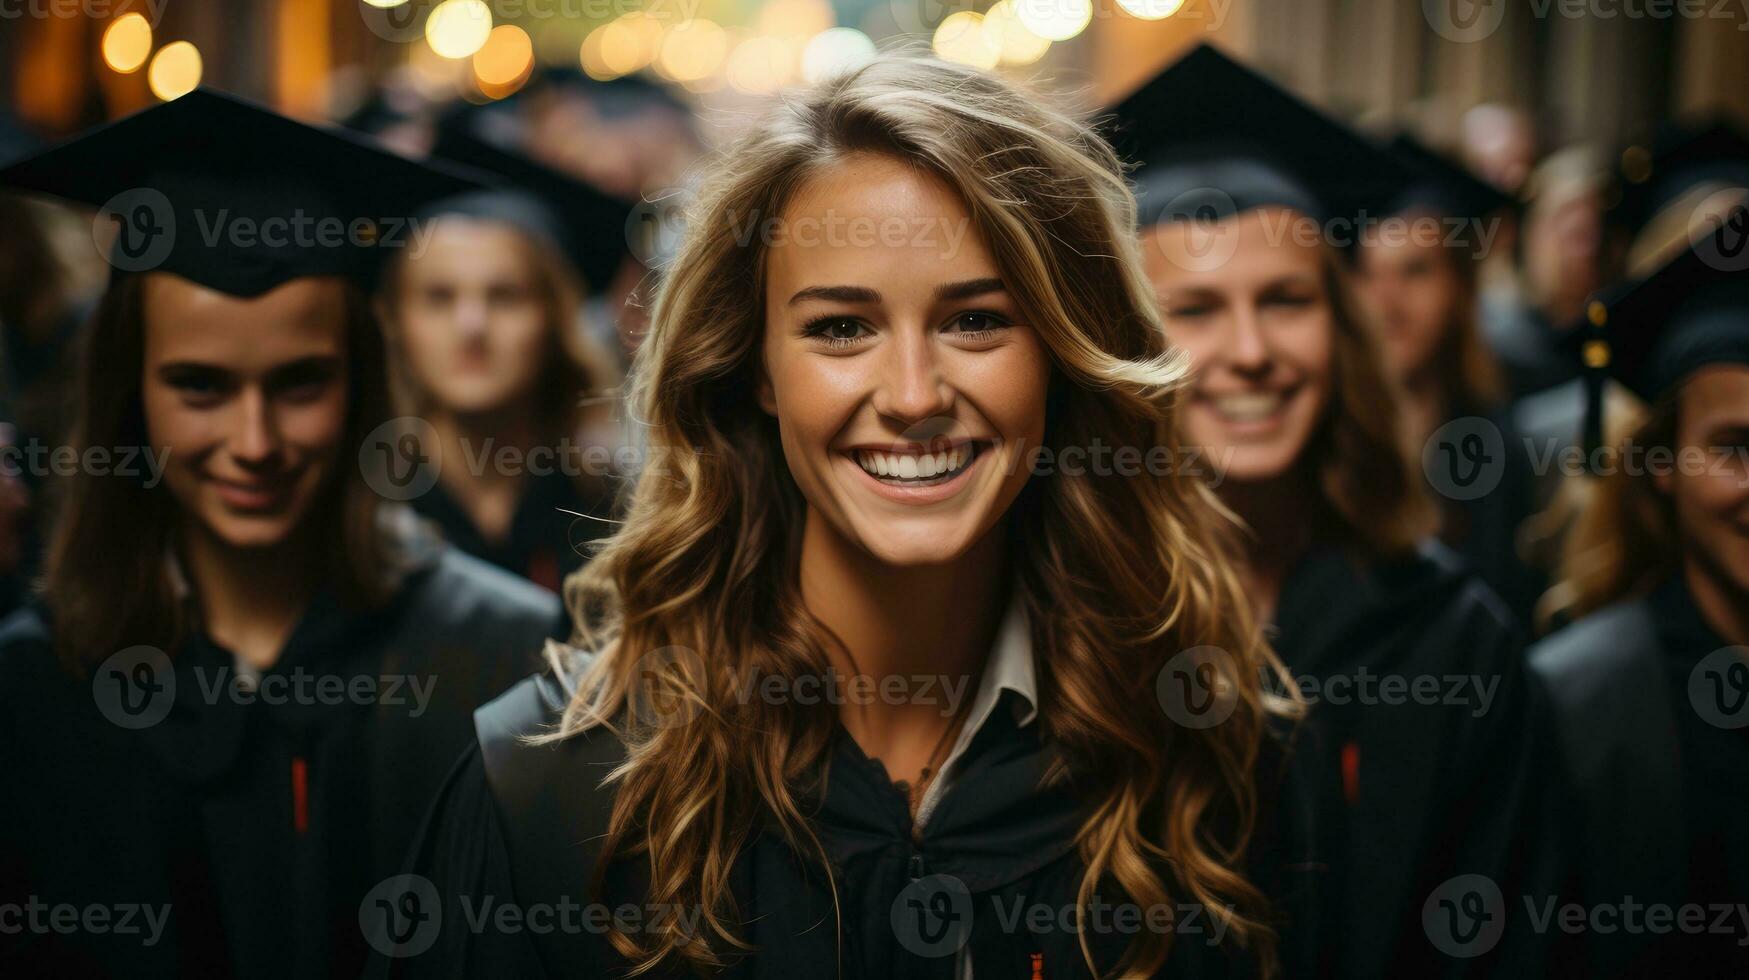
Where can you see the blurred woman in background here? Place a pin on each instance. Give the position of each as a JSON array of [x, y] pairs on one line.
[[245, 676], [1242, 212], [1416, 275], [1651, 681], [490, 350]]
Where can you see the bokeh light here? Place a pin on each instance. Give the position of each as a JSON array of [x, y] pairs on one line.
[[127, 42], [799, 19], [175, 70], [506, 58], [624, 45], [1150, 9], [761, 65], [1018, 46], [458, 28], [1054, 20], [836, 50], [692, 51], [961, 37]]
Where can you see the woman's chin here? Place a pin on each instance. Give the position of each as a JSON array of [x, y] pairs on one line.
[[915, 544]]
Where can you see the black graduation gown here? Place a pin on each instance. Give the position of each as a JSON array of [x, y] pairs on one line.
[[1436, 785], [1484, 530], [1659, 792], [518, 823], [546, 537], [256, 827]]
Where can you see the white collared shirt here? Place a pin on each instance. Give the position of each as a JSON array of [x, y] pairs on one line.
[[1009, 668]]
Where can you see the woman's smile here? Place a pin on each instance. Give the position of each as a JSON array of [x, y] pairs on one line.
[[908, 474]]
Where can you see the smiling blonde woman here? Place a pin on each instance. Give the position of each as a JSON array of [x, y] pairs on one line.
[[862, 495]]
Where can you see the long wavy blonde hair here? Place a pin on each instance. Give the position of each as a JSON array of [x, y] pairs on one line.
[[1117, 574], [1623, 540]]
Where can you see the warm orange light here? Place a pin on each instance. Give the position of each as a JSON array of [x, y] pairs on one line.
[[175, 70], [126, 43], [506, 57]]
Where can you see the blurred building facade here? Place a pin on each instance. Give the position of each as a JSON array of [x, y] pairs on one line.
[[1587, 70]]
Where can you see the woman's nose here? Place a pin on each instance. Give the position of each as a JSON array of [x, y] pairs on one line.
[[912, 387], [255, 439]]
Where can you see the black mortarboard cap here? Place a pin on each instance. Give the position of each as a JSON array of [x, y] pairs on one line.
[[1441, 185], [1682, 156], [1692, 312], [1207, 123], [588, 224], [236, 197], [614, 98]]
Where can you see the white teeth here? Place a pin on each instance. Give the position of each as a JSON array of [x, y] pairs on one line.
[[1248, 407], [907, 466]]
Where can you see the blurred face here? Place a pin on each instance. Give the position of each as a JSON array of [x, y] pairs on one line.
[[1712, 502], [1411, 290], [248, 396], [1259, 330], [472, 322], [907, 386], [1563, 239]]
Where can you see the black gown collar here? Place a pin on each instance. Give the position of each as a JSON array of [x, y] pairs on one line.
[[998, 823]]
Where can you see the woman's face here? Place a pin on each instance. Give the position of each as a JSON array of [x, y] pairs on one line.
[[1712, 501], [249, 398], [1260, 331], [1411, 290], [471, 321], [908, 389]]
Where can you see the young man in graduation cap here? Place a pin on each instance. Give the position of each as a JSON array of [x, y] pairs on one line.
[[245, 675], [1248, 197], [1650, 684], [486, 334]]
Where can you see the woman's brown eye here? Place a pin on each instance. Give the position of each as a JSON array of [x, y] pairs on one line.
[[978, 322]]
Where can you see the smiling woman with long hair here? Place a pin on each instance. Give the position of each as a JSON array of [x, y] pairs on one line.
[[872, 420], [1420, 701]]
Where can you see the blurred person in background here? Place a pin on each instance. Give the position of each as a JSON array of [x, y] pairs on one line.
[[634, 139], [1416, 274], [245, 674], [490, 349], [1292, 410], [1563, 260], [1651, 681], [1690, 177], [1499, 144]]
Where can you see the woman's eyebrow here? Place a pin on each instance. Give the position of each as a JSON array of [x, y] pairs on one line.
[[967, 288], [840, 294]]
